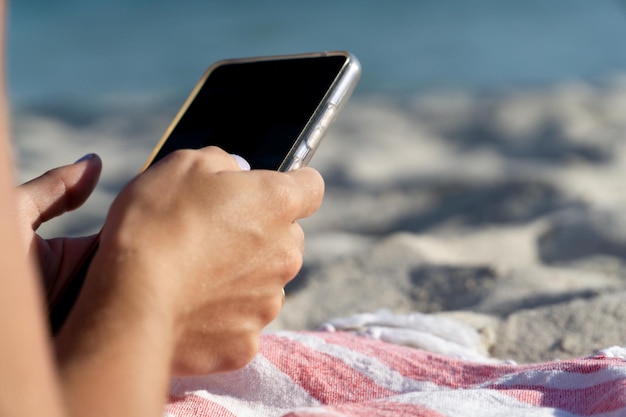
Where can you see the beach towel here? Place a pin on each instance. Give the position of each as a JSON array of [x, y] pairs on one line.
[[346, 369]]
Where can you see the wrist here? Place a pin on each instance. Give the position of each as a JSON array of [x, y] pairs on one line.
[[119, 336]]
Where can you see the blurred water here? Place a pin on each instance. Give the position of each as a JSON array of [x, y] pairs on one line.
[[90, 50]]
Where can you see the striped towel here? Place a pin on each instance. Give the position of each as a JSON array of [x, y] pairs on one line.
[[344, 374]]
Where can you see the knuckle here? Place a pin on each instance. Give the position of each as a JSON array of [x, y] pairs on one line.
[[287, 203], [179, 157], [57, 179], [271, 309], [181, 154], [242, 354], [291, 263], [210, 156], [279, 191], [221, 157]]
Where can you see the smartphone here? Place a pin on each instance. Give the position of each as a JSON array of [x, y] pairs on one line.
[[272, 111]]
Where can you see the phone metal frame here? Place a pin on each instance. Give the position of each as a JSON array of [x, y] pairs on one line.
[[309, 138]]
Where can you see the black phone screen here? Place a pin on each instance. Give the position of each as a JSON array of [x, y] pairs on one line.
[[255, 109]]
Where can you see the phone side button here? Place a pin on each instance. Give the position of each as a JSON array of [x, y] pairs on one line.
[[296, 163], [323, 123], [315, 137]]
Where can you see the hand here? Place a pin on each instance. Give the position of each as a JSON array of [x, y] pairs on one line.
[[48, 196], [199, 247]]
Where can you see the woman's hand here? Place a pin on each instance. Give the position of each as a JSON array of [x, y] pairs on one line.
[[194, 255], [50, 195]]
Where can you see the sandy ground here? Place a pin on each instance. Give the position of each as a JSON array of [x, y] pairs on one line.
[[503, 211]]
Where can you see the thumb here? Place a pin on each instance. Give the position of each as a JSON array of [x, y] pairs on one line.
[[58, 190]]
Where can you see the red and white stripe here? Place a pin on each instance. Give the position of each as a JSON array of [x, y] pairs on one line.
[[341, 374]]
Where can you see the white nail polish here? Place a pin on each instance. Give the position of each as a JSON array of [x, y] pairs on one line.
[[243, 164]]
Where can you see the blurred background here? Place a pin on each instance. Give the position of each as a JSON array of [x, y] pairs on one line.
[[88, 51], [438, 101], [479, 166]]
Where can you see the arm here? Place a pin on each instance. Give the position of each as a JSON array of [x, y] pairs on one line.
[[27, 377], [26, 365]]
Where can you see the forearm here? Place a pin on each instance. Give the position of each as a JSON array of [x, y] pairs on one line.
[[27, 374], [27, 377], [115, 350]]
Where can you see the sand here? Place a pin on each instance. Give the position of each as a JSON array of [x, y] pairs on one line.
[[503, 211]]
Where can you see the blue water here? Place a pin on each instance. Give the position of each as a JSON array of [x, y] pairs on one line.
[[88, 50]]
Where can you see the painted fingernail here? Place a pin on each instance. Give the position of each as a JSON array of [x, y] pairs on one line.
[[85, 158], [243, 164]]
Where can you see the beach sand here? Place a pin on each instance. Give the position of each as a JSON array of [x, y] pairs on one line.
[[504, 211]]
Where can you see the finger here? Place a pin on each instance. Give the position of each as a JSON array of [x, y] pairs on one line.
[[298, 236], [297, 252], [77, 247], [59, 190], [223, 161], [243, 164], [211, 157], [308, 190]]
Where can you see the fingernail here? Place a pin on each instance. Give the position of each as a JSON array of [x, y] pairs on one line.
[[243, 164], [84, 158]]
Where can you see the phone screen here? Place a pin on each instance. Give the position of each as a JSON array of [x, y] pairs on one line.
[[255, 109]]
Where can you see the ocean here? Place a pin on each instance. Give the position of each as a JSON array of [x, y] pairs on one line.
[[90, 51]]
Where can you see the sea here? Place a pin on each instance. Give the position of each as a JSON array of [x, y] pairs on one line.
[[93, 51]]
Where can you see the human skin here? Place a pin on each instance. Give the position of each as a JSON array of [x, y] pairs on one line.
[[193, 256], [52, 194], [222, 245], [207, 322], [26, 363]]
